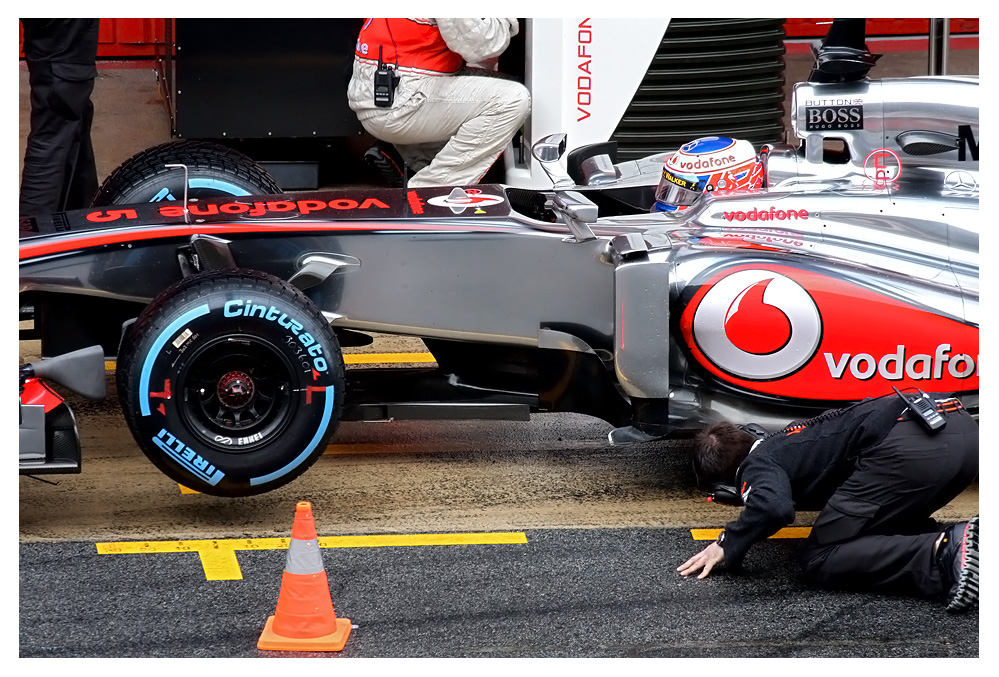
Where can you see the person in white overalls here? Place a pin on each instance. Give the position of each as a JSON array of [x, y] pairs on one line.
[[449, 127]]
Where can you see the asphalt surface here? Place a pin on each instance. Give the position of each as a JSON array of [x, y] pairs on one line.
[[565, 593], [605, 528], [606, 588]]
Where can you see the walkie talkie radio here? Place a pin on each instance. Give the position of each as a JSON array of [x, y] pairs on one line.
[[924, 409], [386, 80]]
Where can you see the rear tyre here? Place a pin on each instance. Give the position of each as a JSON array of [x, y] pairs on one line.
[[232, 382], [213, 170]]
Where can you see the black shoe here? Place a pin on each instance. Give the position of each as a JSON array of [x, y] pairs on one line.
[[385, 160], [957, 558]]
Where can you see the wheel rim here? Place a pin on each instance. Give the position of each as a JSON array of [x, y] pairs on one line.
[[237, 393]]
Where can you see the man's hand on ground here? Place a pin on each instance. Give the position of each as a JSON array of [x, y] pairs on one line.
[[706, 559]]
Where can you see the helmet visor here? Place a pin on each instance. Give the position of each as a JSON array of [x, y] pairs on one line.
[[676, 190]]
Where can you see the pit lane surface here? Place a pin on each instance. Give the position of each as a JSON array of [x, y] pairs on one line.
[[603, 529]]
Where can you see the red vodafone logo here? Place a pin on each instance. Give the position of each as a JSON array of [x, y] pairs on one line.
[[757, 324], [805, 334]]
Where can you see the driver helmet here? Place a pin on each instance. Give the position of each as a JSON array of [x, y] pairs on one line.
[[708, 164]]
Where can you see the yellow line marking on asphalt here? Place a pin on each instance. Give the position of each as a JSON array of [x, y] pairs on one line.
[[218, 557], [786, 532], [355, 358], [387, 358]]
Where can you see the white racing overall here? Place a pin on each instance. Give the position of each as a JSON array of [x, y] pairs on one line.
[[448, 127]]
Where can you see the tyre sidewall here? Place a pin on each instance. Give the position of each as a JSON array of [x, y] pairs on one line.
[[166, 360], [202, 183], [158, 175]]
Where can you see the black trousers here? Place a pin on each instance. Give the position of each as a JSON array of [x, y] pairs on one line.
[[876, 532], [60, 171]]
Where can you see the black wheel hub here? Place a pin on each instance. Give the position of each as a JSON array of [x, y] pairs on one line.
[[238, 392]]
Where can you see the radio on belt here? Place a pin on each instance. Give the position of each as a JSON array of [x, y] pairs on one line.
[[386, 80], [924, 409]]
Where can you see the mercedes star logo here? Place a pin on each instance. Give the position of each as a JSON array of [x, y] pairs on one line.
[[961, 182]]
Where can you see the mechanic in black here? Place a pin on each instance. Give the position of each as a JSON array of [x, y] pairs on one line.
[[876, 474], [60, 171]]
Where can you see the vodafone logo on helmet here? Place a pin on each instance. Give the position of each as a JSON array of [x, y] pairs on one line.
[[757, 325], [708, 155], [704, 164]]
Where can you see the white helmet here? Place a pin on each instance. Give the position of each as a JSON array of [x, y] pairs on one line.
[[708, 164]]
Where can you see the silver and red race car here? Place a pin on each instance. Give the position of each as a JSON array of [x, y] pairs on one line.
[[227, 304]]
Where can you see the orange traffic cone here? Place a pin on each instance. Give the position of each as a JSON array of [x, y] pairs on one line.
[[304, 619]]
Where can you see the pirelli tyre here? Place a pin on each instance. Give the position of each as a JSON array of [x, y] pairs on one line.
[[213, 170], [232, 382]]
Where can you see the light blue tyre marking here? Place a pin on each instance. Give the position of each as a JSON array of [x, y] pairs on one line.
[[164, 194], [324, 424], [154, 351], [187, 457], [211, 184], [218, 184]]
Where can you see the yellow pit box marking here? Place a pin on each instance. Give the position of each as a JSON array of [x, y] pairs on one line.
[[388, 358], [218, 557], [354, 358], [786, 532]]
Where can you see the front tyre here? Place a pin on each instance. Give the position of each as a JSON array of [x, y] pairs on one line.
[[213, 170], [232, 382]]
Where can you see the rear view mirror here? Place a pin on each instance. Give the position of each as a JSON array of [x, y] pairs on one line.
[[548, 151]]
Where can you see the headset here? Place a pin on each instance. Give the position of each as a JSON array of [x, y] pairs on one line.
[[727, 494]]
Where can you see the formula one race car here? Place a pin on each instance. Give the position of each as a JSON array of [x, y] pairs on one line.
[[226, 304]]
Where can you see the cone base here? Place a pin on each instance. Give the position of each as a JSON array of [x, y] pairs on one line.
[[335, 641]]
